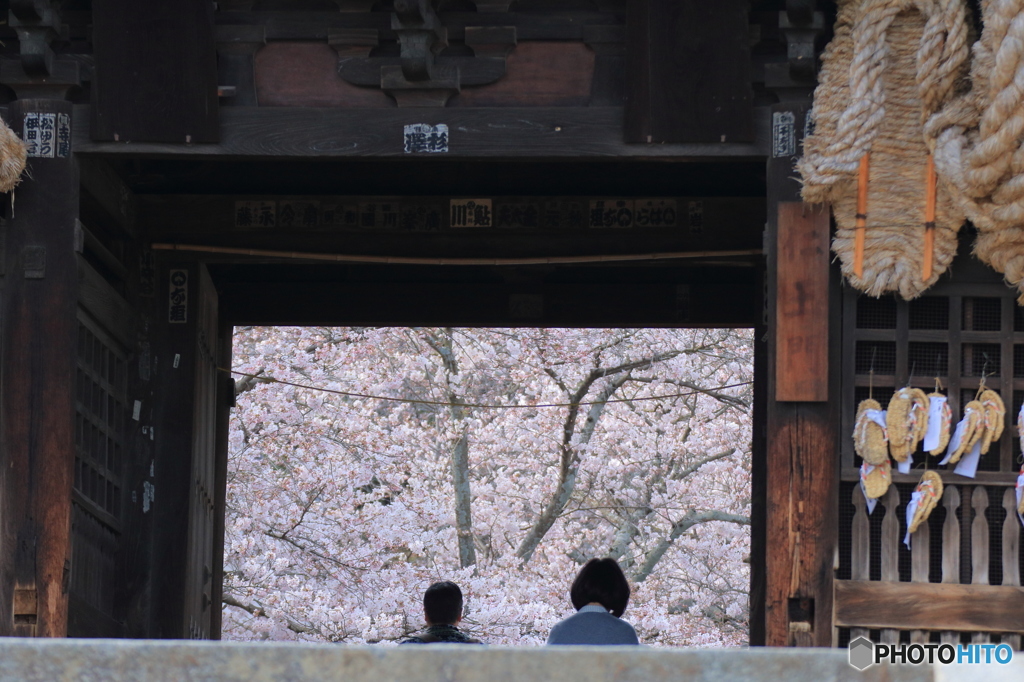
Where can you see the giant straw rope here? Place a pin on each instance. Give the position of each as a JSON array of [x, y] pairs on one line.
[[13, 155], [978, 141], [891, 65]]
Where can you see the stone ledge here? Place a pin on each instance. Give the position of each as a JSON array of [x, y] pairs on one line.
[[38, 660]]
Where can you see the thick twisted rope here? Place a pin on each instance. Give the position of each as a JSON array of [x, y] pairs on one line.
[[978, 141], [941, 54]]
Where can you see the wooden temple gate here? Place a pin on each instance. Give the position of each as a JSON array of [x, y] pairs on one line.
[[464, 162]]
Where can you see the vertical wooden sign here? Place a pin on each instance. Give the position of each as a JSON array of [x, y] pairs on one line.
[[801, 361]]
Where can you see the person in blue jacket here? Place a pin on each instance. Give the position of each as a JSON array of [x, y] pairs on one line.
[[599, 594]]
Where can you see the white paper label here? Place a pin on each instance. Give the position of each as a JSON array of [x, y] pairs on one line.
[[1020, 493], [954, 442], [904, 466], [915, 499], [137, 410], [934, 433], [968, 464], [877, 416]]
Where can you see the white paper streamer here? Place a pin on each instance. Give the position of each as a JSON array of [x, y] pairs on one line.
[[915, 499], [968, 464], [865, 469], [934, 433], [1020, 427], [954, 442], [904, 467], [877, 416], [1020, 492]]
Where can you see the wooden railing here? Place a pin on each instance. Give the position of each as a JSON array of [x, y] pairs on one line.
[[988, 612]]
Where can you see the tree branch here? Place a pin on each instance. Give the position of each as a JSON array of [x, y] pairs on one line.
[[260, 612], [678, 528]]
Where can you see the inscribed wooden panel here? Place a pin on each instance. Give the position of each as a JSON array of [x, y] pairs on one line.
[[802, 290]]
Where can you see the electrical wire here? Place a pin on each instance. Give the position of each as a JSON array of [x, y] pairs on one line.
[[414, 401]]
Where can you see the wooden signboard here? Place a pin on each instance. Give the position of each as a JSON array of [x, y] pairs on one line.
[[802, 324]]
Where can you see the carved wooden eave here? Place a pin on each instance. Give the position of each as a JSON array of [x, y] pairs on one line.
[[421, 75]]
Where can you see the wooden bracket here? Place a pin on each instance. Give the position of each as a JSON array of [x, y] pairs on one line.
[[26, 606], [801, 26], [37, 23], [420, 76], [237, 45]]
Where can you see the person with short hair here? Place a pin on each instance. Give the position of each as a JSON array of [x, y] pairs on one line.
[[599, 594], [442, 609]]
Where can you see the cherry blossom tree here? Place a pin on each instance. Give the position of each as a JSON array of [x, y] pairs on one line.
[[366, 463]]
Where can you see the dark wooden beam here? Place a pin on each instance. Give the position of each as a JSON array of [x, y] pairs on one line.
[[307, 25], [598, 297], [156, 71], [802, 458], [929, 606], [37, 409], [688, 70], [486, 133]]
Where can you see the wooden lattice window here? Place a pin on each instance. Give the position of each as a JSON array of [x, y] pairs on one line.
[[957, 334], [100, 415]]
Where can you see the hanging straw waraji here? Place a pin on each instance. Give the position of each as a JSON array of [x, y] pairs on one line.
[[870, 439], [994, 413], [930, 489], [890, 66], [906, 421], [876, 478], [13, 155]]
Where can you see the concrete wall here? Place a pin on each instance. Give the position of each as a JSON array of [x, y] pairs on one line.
[[40, 660]]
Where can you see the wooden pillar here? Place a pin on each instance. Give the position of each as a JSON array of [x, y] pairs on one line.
[[38, 364], [802, 415], [187, 426]]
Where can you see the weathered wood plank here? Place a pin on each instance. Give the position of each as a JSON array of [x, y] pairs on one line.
[[890, 551], [950, 548], [99, 298], [919, 565], [802, 464], [547, 132], [1011, 539], [979, 537], [931, 606], [802, 367], [37, 442]]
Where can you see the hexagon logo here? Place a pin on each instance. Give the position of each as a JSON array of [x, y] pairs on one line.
[[862, 653]]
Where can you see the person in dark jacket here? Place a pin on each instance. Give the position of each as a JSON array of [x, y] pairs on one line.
[[442, 609], [599, 594]]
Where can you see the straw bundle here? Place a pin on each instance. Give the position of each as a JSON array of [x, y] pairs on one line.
[[890, 66], [13, 154], [930, 488], [979, 149]]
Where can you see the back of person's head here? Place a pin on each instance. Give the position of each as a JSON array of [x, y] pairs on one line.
[[602, 581], [442, 603]]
